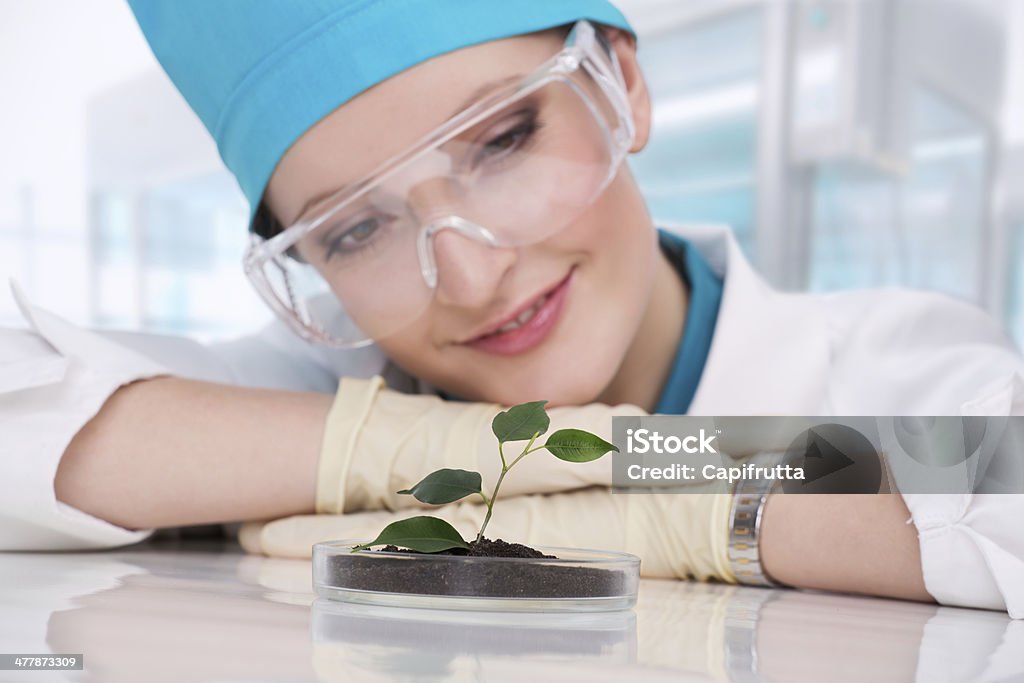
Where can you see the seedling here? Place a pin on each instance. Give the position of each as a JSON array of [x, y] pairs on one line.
[[524, 422]]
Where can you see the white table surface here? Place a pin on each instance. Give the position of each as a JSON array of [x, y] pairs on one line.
[[207, 612]]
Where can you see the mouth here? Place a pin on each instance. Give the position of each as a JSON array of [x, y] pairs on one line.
[[527, 325]]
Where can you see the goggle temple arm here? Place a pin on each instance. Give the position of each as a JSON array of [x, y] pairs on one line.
[[598, 58]]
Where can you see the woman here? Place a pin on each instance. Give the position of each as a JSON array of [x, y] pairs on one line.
[[444, 179]]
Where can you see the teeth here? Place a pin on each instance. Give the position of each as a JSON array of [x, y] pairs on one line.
[[528, 313], [523, 318]]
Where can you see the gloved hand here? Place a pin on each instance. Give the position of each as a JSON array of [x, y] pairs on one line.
[[378, 441], [676, 535]]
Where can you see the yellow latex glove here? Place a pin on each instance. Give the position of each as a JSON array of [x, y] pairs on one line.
[[378, 441], [675, 535]]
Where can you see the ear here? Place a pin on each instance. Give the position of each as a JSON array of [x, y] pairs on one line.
[[639, 97]]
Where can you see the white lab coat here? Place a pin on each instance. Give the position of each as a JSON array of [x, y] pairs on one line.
[[874, 352]]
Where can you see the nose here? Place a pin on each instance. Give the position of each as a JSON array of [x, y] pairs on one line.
[[429, 187], [461, 258], [470, 269]]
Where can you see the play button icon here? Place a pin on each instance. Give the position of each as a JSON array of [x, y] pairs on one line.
[[836, 459]]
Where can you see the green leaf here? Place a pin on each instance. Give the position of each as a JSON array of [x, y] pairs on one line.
[[425, 534], [576, 445], [521, 422], [445, 486]]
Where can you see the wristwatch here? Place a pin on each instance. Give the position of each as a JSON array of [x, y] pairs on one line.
[[748, 501]]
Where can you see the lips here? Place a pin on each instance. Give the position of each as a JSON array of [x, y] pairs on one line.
[[523, 317], [527, 326]]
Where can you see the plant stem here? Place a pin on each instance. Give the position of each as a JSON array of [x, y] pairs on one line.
[[527, 449], [497, 485], [524, 454], [490, 504]]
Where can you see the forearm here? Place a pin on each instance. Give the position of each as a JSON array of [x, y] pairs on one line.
[[172, 452], [850, 543]]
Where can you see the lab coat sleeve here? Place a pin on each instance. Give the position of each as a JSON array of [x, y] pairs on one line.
[[972, 545], [55, 377], [939, 356]]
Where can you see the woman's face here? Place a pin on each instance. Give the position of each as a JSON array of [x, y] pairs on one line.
[[592, 280]]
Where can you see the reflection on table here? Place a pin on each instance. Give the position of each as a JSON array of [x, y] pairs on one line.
[[157, 614]]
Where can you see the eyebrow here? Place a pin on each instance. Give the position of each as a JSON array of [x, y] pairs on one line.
[[483, 90], [478, 94]]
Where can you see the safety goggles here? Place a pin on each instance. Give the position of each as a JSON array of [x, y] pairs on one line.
[[511, 170]]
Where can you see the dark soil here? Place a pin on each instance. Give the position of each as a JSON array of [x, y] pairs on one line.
[[485, 547], [360, 571]]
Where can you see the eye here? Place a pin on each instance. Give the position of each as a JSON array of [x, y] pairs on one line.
[[509, 141], [352, 239]]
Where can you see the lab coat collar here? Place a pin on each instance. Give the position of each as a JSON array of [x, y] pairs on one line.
[[770, 352]]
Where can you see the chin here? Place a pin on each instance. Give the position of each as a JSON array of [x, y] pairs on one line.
[[577, 381], [557, 395]]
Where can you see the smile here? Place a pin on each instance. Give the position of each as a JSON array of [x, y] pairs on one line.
[[529, 327]]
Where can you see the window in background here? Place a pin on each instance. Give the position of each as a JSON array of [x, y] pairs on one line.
[[15, 246], [699, 164], [924, 229], [1015, 297], [116, 242], [168, 260], [45, 256]]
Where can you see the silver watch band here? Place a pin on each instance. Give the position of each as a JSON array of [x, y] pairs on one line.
[[748, 502]]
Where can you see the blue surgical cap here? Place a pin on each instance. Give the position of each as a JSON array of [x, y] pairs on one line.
[[259, 73]]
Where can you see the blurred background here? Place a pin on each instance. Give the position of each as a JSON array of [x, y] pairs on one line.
[[849, 143]]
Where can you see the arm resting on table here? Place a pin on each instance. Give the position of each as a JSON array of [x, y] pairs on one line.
[[170, 452]]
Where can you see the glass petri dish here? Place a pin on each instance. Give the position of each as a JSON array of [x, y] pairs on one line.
[[575, 580]]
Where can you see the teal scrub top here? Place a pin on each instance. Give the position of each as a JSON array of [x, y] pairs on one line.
[[705, 299]]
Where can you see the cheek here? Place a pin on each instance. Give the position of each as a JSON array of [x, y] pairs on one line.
[[412, 349], [617, 234], [619, 285], [623, 261], [382, 296], [447, 368]]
